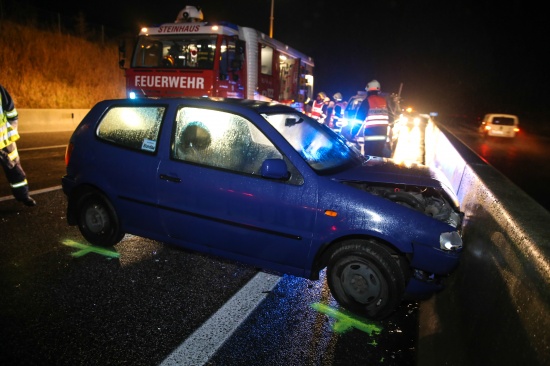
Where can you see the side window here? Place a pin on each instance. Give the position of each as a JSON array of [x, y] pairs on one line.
[[266, 60], [133, 127], [148, 54], [221, 140], [226, 51]]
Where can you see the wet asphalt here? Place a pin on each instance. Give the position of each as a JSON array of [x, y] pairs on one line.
[[138, 302]]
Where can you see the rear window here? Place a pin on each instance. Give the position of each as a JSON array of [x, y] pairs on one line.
[[137, 128], [503, 121]]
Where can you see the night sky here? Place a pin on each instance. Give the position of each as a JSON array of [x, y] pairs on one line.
[[452, 57]]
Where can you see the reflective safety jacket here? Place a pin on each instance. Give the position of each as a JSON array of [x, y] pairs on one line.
[[8, 113], [317, 110], [338, 113], [377, 122]]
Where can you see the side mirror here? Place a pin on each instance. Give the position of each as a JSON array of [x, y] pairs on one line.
[[122, 54], [275, 169]]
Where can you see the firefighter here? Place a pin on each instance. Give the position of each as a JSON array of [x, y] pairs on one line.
[[339, 107], [318, 108], [9, 156], [374, 112]]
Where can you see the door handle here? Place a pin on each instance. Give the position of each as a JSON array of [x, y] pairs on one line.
[[169, 178]]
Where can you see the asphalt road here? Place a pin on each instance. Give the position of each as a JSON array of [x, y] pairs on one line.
[[145, 303], [523, 159]]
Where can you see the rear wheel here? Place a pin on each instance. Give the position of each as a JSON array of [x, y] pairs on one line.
[[366, 279], [97, 220]]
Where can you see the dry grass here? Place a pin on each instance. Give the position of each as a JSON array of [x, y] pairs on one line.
[[49, 70]]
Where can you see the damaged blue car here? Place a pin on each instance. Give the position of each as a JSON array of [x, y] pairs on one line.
[[263, 184]]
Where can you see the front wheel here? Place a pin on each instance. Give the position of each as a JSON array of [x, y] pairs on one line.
[[364, 278], [97, 220]]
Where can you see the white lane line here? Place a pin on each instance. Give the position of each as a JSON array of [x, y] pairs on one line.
[[38, 191], [206, 340]]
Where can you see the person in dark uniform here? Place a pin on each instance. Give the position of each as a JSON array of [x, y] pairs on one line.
[[9, 156]]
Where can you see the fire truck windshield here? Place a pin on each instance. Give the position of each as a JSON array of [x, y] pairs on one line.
[[181, 51]]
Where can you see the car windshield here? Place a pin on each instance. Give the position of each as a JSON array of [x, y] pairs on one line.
[[318, 145], [184, 51]]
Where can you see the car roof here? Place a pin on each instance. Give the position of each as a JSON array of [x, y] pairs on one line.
[[488, 115], [204, 102]]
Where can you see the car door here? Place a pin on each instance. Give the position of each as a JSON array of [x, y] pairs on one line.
[[212, 196], [122, 160]]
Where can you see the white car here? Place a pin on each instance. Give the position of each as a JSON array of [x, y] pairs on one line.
[[500, 125]]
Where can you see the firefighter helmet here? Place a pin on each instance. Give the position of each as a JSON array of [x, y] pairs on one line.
[[190, 14], [337, 97], [373, 85], [322, 95]]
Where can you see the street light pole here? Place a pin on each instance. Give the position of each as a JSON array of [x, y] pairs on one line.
[[271, 19]]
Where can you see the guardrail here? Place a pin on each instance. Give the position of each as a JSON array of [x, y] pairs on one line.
[[495, 309], [51, 120]]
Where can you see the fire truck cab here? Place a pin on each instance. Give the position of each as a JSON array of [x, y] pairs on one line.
[[194, 58]]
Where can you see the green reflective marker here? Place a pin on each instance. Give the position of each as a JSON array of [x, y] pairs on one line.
[[85, 249], [344, 321]]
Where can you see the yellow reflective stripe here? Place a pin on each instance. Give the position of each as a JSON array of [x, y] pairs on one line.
[[7, 135], [375, 138], [13, 155], [376, 123], [378, 118], [12, 114], [20, 184]]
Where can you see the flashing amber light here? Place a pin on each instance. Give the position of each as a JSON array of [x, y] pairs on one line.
[[409, 109], [331, 213]]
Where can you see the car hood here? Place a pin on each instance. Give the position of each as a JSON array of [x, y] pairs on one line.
[[385, 170]]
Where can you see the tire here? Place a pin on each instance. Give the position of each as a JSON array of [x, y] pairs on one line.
[[98, 221], [364, 278]]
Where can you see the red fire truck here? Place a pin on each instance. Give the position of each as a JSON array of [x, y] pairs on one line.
[[191, 57]]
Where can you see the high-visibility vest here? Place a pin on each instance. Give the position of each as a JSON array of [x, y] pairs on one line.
[[317, 110], [377, 121], [8, 134]]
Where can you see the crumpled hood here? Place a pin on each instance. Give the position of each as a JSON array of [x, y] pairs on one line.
[[385, 170]]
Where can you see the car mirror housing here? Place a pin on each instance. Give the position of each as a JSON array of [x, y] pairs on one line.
[[275, 169]]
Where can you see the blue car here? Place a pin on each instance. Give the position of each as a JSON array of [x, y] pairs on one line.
[[264, 184]]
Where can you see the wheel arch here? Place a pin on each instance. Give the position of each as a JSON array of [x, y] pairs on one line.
[[324, 254], [77, 195]]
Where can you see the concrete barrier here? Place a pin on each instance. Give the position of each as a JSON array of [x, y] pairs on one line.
[[51, 120], [495, 309]]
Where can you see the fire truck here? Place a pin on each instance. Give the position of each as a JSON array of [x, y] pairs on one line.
[[190, 57]]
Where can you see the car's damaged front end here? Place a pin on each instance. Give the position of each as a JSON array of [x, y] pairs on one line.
[[425, 190]]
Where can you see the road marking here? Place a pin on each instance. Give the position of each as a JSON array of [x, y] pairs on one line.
[[206, 340], [38, 191]]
